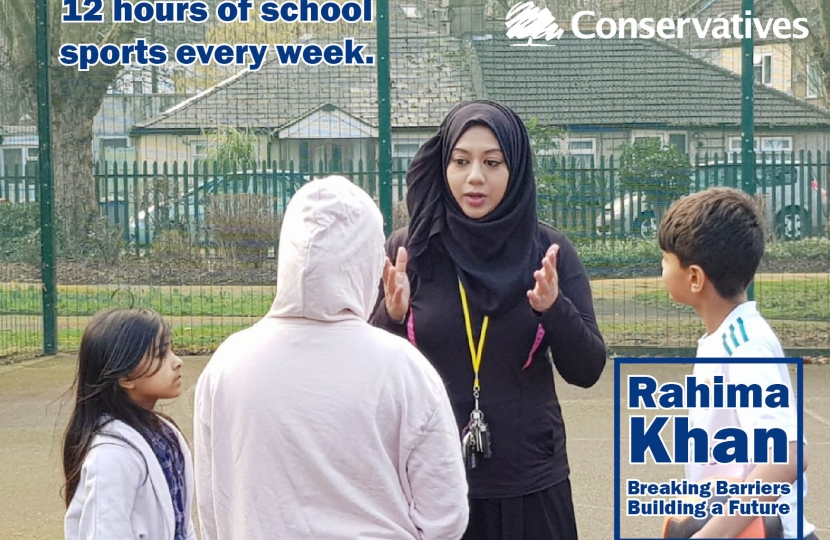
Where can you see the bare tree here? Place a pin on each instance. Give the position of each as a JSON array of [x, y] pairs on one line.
[[76, 97]]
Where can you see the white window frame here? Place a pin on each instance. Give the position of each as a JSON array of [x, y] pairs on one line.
[[647, 134], [664, 136], [735, 144], [25, 158], [787, 140], [759, 60], [592, 152], [399, 152], [812, 93], [17, 193], [411, 11], [196, 156]]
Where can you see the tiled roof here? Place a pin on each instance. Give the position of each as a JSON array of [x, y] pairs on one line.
[[630, 82]]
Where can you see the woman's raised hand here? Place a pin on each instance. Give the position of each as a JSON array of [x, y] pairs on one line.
[[546, 291], [396, 286]]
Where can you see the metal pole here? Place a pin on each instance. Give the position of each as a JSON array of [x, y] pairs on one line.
[[747, 110], [384, 116], [46, 180]]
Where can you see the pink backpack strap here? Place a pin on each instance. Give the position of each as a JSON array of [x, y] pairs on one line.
[[540, 335]]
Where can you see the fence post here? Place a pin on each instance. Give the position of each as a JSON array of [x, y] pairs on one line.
[[47, 187], [384, 116], [748, 113]]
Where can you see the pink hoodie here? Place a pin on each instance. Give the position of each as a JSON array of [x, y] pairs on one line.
[[314, 424]]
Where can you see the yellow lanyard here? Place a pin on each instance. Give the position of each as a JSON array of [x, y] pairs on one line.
[[476, 355]]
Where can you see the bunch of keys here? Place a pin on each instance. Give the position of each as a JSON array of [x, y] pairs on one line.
[[475, 442]]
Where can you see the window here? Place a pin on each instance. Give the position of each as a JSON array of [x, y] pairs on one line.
[[12, 162], [764, 144], [776, 144], [678, 140], [736, 145], [813, 81], [402, 155], [763, 69], [649, 138], [411, 12], [582, 152], [642, 135], [665, 138], [198, 150], [18, 161]]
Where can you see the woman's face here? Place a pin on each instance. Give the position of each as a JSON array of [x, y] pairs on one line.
[[477, 173]]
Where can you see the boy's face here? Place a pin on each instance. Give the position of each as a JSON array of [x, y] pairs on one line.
[[677, 279]]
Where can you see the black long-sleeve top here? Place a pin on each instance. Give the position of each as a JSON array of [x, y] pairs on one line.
[[518, 400]]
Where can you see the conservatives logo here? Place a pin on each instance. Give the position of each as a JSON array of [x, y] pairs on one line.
[[526, 21]]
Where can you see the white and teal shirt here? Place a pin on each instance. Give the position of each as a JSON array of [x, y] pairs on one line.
[[745, 334]]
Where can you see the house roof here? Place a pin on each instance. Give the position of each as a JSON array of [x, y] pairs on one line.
[[627, 82], [429, 76]]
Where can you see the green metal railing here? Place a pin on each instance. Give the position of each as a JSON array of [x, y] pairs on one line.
[[177, 239]]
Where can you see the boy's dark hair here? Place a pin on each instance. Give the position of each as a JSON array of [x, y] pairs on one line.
[[719, 229]]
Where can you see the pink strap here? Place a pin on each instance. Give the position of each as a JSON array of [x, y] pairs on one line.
[[540, 335], [410, 328]]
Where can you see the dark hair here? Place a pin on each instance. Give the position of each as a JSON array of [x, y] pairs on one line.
[[114, 346], [719, 229]]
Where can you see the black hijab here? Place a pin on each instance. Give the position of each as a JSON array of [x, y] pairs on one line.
[[496, 255]]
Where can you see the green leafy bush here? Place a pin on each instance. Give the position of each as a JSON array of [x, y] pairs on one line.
[[20, 233]]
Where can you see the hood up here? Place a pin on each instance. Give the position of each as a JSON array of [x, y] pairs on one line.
[[331, 253]]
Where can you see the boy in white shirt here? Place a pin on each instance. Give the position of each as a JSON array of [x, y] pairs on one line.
[[712, 242]]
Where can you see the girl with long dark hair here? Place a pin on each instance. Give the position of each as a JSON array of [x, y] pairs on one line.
[[128, 468]]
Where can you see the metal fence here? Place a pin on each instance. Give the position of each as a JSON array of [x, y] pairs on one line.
[[198, 243]]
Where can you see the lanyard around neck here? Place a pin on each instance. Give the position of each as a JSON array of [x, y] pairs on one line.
[[474, 354]]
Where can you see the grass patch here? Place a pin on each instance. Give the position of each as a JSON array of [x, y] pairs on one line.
[[187, 340], [76, 300], [203, 339], [630, 257], [675, 333], [799, 298]]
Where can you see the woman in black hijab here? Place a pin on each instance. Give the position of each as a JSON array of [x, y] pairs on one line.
[[489, 294]]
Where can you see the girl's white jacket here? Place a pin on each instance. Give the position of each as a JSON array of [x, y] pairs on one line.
[[122, 493], [312, 424]]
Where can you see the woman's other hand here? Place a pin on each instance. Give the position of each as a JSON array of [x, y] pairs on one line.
[[546, 291], [396, 286]]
